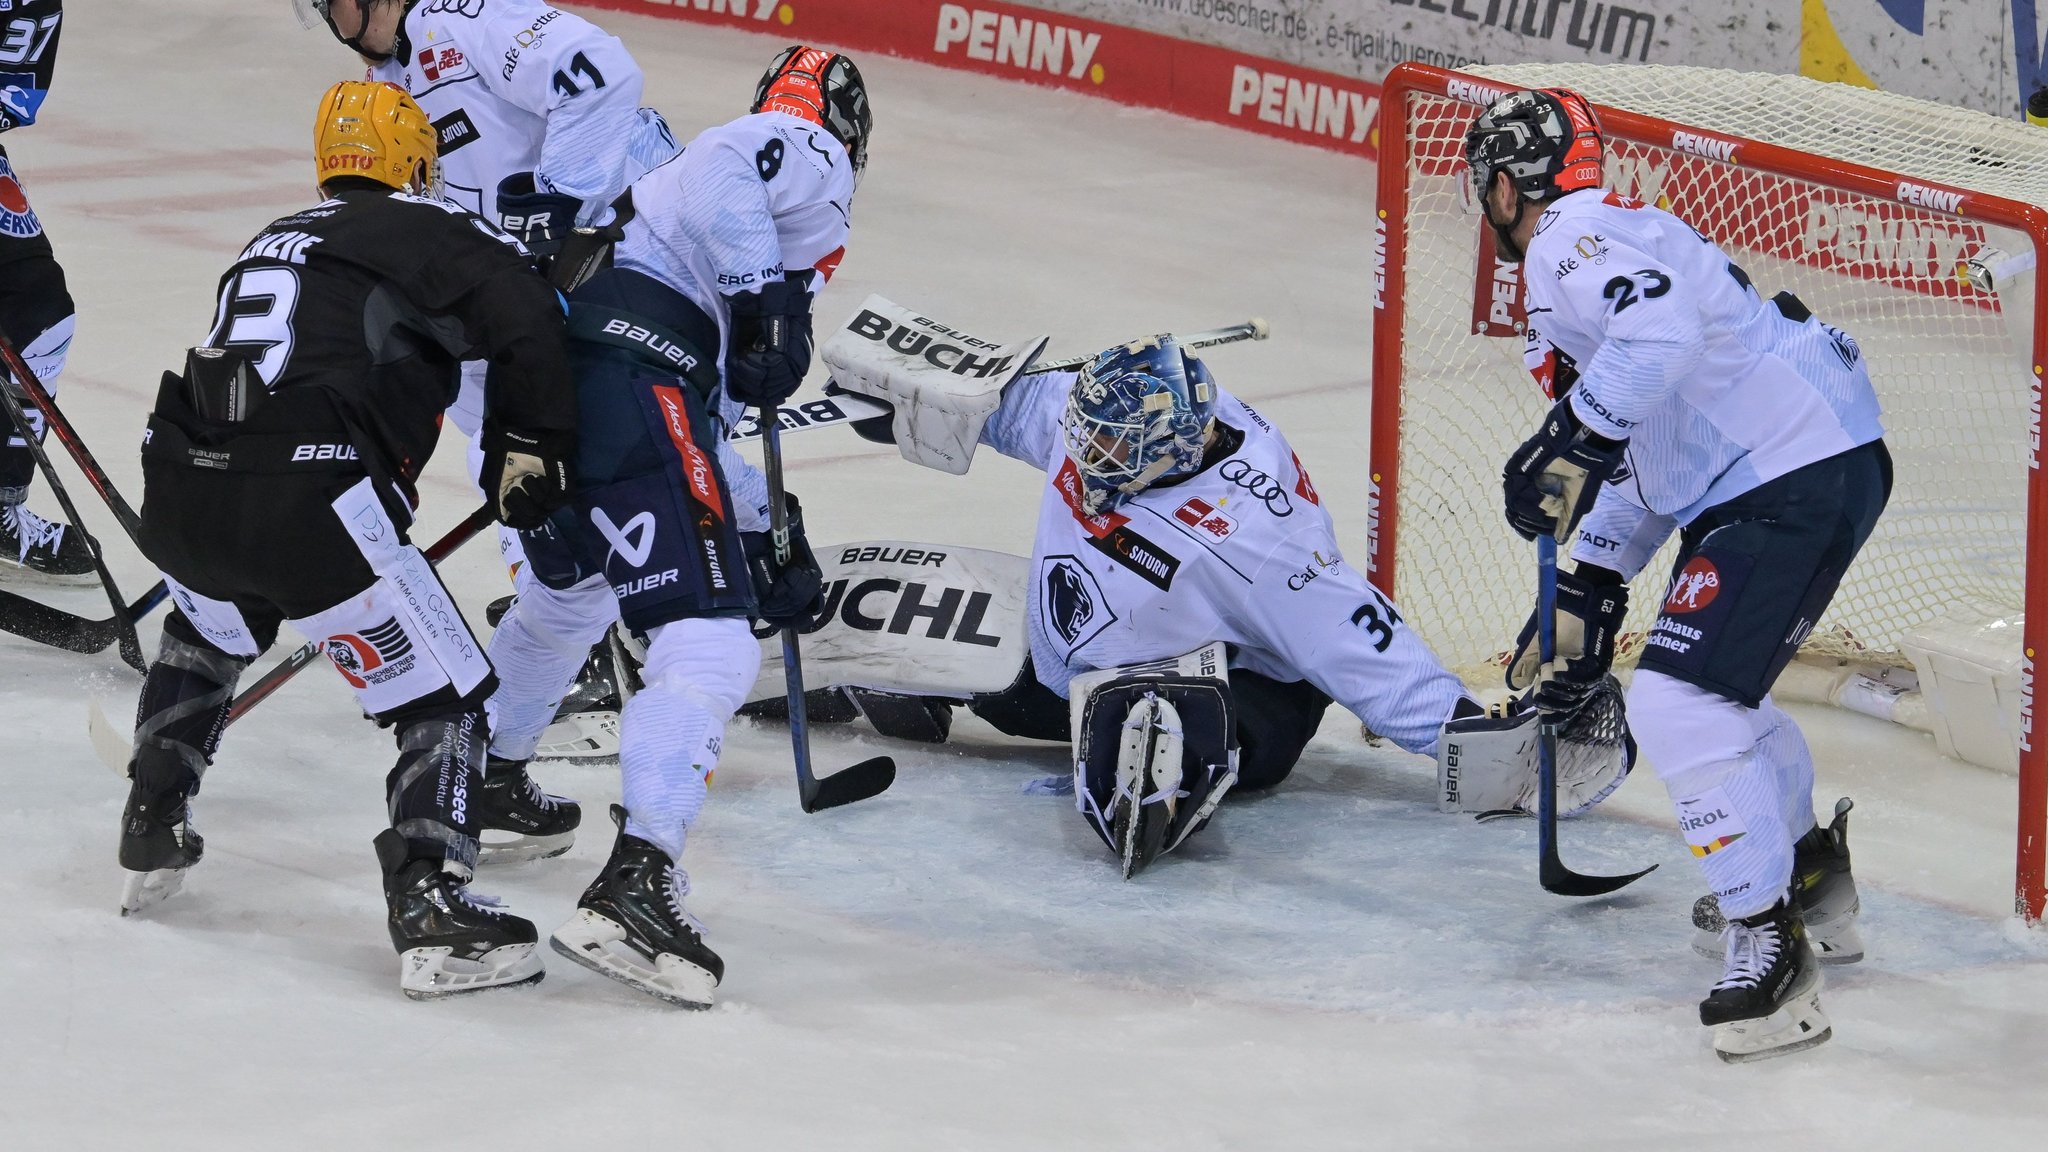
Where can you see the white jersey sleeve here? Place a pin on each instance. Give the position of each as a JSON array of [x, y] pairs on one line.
[[1026, 425], [1620, 536]]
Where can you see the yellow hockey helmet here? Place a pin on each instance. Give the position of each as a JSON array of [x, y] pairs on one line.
[[373, 129]]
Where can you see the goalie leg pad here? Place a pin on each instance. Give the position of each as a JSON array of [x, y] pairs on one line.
[[1154, 755]]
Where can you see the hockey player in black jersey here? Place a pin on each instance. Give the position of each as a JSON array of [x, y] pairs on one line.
[[35, 308], [278, 486]]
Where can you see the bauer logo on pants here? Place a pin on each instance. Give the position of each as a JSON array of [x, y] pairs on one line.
[[372, 656]]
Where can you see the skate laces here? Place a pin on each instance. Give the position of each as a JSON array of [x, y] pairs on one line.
[[538, 798], [679, 887], [488, 905], [1751, 952], [32, 530]]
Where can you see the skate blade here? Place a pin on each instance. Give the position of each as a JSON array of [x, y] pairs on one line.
[[520, 849], [1797, 1025], [580, 736], [599, 944], [436, 973], [147, 889], [21, 575]]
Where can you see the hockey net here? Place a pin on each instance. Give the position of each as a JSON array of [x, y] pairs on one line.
[[1906, 223]]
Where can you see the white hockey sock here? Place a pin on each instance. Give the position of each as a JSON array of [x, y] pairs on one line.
[[1782, 746], [537, 651], [1729, 794], [668, 747]]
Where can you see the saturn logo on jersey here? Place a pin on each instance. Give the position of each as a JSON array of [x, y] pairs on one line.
[[1695, 588], [1071, 604], [372, 656], [15, 218]]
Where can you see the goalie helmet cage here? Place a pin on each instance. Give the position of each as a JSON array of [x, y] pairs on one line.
[[1865, 204]]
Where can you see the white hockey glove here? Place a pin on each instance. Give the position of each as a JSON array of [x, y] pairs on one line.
[[943, 383]]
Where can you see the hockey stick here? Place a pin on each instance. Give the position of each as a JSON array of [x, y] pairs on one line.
[[1551, 871], [870, 777], [1252, 329], [845, 407], [123, 620], [115, 749]]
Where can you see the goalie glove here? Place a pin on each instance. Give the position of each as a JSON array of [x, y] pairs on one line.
[[1591, 603], [1554, 477], [1486, 764]]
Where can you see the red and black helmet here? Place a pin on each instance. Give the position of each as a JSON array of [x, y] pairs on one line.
[[1548, 141], [824, 88]]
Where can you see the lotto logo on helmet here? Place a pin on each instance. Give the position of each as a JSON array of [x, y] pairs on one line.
[[1695, 587], [372, 656]]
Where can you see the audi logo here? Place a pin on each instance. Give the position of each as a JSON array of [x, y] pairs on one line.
[[1267, 489]]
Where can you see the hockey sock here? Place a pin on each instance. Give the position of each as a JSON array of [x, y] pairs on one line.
[[44, 356], [1781, 745], [183, 708], [1728, 795], [668, 747], [440, 766], [537, 651]]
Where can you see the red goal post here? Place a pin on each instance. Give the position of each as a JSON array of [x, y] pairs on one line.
[[1779, 172]]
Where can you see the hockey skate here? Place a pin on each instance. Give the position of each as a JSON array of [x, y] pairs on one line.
[[35, 550], [1825, 889], [631, 926], [1767, 1002], [449, 939], [517, 821], [158, 845]]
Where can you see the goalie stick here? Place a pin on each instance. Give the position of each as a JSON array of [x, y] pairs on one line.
[[870, 777], [115, 749], [1551, 870], [37, 624], [846, 407]]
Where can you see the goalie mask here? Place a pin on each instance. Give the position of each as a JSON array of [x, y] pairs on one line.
[[1139, 415], [824, 88], [1548, 141]]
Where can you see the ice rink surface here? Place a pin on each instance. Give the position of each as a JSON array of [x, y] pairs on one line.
[[955, 964]]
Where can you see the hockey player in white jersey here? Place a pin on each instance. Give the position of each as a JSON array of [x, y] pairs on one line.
[[1687, 402], [706, 310], [1187, 595]]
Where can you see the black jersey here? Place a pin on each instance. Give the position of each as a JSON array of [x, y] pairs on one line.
[[376, 297], [28, 57]]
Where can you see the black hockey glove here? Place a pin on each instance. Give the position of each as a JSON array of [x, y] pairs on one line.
[[528, 474], [540, 220], [769, 348], [1590, 605], [787, 593], [1554, 477]]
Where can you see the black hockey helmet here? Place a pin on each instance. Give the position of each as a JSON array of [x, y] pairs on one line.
[[1548, 140], [824, 88]]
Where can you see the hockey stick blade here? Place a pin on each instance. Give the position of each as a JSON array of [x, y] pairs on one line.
[[113, 748], [849, 785], [1561, 880]]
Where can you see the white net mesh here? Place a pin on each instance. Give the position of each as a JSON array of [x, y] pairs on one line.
[[1951, 361]]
